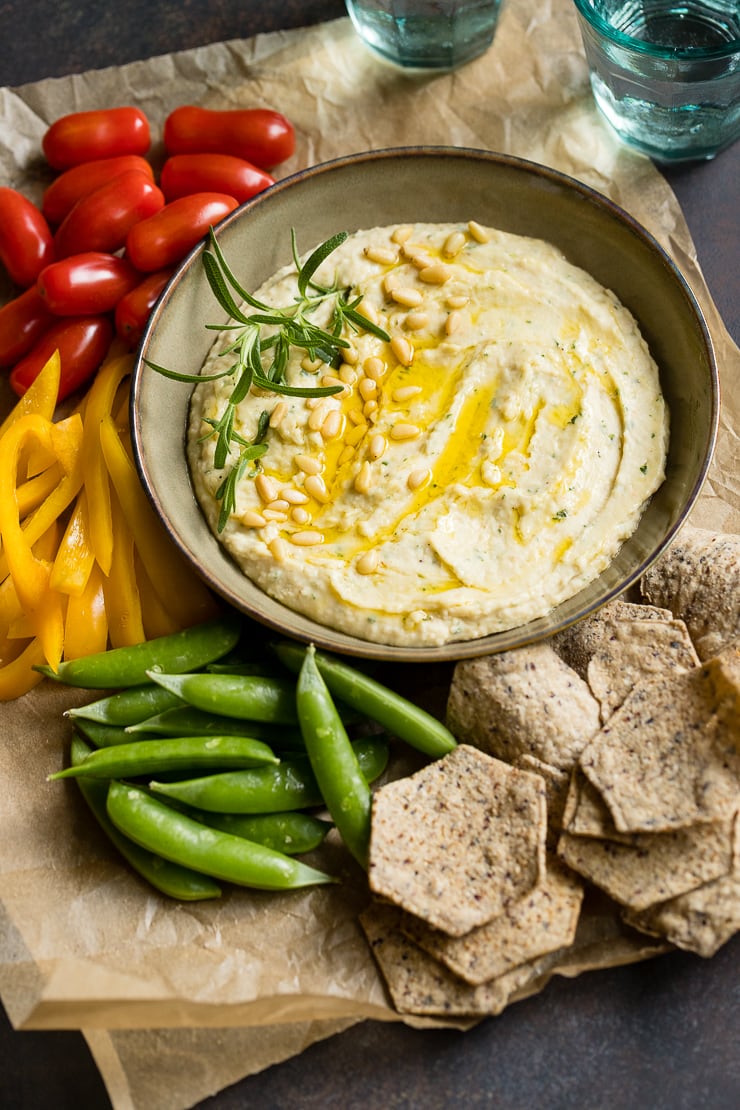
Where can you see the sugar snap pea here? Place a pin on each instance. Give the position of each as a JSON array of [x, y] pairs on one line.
[[186, 720], [154, 825], [291, 833], [247, 697], [103, 736], [334, 762], [397, 714], [186, 753], [175, 653], [128, 706], [170, 878], [289, 785]]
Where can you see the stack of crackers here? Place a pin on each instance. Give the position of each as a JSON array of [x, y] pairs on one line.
[[590, 815]]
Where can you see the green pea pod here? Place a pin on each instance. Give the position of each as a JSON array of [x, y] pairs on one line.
[[169, 878], [288, 786], [128, 706], [246, 697], [186, 753], [395, 713], [155, 826], [103, 736], [185, 720], [334, 762], [291, 833], [174, 654]]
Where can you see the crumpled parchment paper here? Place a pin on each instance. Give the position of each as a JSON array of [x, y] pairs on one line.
[[237, 985]]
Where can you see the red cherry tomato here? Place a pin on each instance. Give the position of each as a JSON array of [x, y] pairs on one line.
[[26, 243], [258, 135], [82, 342], [166, 237], [102, 220], [22, 322], [183, 174], [102, 133], [75, 183], [134, 309], [85, 284]]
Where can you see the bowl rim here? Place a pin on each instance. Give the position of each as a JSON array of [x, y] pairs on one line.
[[539, 629]]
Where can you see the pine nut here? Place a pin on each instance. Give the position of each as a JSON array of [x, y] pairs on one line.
[[402, 234], [390, 282], [453, 322], [415, 321], [270, 514], [368, 563], [369, 408], [294, 496], [405, 431], [311, 365], [374, 368], [354, 435], [410, 298], [366, 309], [318, 416], [350, 355], [278, 549], [308, 464], [332, 379], [364, 479], [313, 403], [300, 515], [377, 446], [253, 520], [332, 426], [457, 300], [278, 506], [417, 479], [356, 416], [453, 244], [383, 255], [266, 488], [315, 487], [402, 349], [478, 232], [278, 414], [345, 456], [367, 388], [306, 539], [417, 256], [406, 392], [436, 274], [347, 374]]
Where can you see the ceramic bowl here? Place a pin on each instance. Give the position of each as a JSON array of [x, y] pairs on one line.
[[432, 184]]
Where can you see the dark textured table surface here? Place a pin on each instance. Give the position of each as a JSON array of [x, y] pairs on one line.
[[654, 1036]]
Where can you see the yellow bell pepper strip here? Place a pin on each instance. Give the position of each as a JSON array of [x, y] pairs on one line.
[[183, 595], [74, 557], [41, 396], [32, 492], [157, 621], [86, 628], [19, 676], [20, 622], [99, 402], [122, 601]]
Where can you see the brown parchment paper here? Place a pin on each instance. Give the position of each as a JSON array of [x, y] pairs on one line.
[[242, 984]]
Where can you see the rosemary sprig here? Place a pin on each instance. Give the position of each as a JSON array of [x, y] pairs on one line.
[[261, 358]]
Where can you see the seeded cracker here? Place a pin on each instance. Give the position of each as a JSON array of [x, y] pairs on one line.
[[586, 813], [698, 579], [577, 644], [653, 867], [523, 702], [541, 922], [460, 840], [667, 759]]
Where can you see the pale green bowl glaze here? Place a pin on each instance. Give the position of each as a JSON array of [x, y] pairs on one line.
[[431, 184]]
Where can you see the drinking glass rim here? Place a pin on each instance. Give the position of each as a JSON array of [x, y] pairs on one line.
[[684, 53]]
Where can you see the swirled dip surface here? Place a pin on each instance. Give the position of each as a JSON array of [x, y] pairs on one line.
[[476, 471]]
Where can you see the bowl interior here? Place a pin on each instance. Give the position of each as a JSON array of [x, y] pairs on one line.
[[438, 185]]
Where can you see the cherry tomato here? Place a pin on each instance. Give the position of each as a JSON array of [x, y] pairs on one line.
[[134, 309], [102, 133], [85, 284], [167, 236], [22, 322], [183, 174], [26, 243], [102, 220], [75, 183], [258, 135], [82, 342]]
